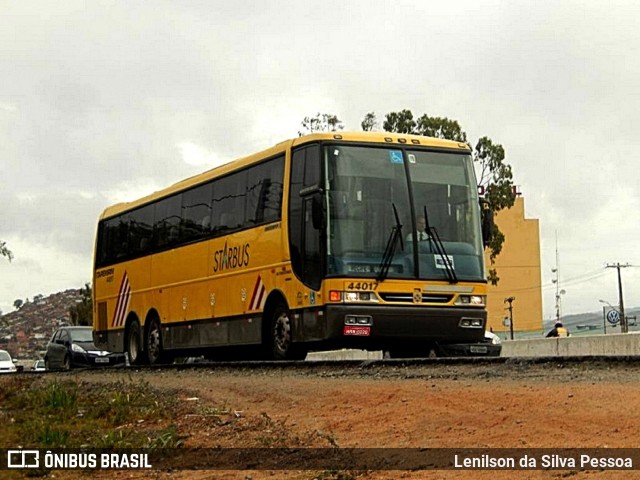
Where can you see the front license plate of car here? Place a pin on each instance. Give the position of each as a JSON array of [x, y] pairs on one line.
[[478, 349], [102, 360], [357, 331]]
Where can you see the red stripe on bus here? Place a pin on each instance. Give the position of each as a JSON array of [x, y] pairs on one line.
[[123, 301], [256, 291]]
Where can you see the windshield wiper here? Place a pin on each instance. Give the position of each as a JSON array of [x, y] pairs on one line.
[[389, 251], [432, 236]]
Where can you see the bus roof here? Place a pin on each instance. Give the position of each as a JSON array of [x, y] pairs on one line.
[[388, 138]]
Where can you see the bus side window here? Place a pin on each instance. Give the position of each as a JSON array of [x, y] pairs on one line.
[[228, 221], [166, 225], [196, 207], [264, 192], [140, 230], [229, 198]]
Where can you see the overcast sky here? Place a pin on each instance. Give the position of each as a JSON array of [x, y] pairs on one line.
[[103, 101]]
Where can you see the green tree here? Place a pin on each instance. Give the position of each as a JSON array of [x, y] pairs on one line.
[[399, 122], [370, 123], [18, 303], [82, 312], [324, 122], [495, 175], [4, 251], [441, 127]]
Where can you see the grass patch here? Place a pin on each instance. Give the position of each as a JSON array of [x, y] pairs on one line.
[[68, 414], [49, 412]]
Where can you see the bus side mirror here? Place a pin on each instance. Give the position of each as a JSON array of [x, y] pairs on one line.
[[487, 222]]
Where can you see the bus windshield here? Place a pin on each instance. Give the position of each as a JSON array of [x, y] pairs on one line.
[[365, 184]]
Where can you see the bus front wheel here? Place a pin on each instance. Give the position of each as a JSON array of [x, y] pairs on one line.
[[281, 337]]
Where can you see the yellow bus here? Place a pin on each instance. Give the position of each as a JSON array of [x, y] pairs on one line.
[[316, 243]]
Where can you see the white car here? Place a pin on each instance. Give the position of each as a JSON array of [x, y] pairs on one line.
[[38, 366], [6, 363]]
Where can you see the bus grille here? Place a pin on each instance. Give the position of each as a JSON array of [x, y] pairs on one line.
[[408, 297]]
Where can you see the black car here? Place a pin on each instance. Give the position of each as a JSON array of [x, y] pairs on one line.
[[72, 347]]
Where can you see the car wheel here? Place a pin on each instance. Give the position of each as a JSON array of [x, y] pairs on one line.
[[133, 343], [153, 342]]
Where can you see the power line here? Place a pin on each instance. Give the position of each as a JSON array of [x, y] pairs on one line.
[[582, 278]]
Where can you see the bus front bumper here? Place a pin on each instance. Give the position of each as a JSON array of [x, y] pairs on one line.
[[371, 327]]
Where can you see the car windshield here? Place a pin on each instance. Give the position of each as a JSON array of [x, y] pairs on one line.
[[81, 335], [4, 356]]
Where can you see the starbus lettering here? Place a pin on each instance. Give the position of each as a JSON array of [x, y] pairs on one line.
[[104, 273], [231, 257]]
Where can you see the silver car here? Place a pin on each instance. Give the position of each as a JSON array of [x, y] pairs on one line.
[[7, 364]]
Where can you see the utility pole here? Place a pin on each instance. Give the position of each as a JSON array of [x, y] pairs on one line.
[[624, 328], [510, 300]]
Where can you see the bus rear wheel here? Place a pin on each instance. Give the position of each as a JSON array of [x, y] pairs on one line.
[[133, 343], [153, 342]]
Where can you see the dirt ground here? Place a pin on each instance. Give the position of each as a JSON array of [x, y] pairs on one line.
[[511, 404]]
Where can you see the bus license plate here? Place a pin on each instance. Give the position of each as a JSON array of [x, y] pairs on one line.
[[102, 360], [358, 331]]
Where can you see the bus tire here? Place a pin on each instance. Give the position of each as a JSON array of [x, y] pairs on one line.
[[153, 341], [281, 336], [133, 343]]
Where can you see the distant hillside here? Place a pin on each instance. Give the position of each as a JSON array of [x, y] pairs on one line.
[[593, 322], [25, 332]]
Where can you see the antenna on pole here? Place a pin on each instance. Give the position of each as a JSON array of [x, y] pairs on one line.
[[556, 280]]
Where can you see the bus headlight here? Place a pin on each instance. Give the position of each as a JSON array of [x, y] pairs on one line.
[[472, 300], [352, 297]]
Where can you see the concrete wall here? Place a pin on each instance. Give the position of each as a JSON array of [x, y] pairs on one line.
[[588, 345]]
